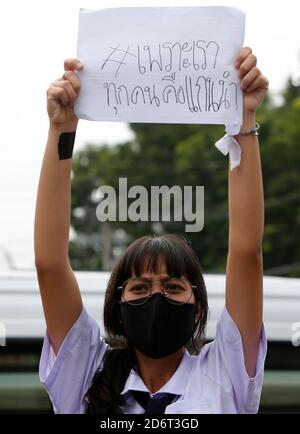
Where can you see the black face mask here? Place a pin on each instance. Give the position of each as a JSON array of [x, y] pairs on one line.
[[157, 327]]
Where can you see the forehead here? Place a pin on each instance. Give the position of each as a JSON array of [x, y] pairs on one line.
[[161, 271]]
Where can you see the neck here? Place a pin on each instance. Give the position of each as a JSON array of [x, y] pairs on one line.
[[157, 372]]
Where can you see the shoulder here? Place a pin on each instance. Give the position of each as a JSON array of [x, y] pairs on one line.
[[219, 370], [68, 375]]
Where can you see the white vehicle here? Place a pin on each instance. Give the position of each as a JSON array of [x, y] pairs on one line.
[[23, 326]]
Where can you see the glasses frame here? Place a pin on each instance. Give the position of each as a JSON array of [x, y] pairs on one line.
[[161, 283]]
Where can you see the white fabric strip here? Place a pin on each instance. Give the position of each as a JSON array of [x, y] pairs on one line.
[[228, 144]]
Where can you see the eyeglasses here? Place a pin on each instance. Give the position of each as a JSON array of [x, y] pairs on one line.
[[138, 290]]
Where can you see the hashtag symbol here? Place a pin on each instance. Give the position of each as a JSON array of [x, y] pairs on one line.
[[119, 62]]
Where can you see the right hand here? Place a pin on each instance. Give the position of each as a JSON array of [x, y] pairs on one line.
[[61, 97]]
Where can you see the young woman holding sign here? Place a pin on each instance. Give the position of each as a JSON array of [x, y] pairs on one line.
[[155, 302]]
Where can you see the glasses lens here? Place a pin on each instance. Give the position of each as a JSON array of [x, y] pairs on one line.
[[136, 291], [178, 290]]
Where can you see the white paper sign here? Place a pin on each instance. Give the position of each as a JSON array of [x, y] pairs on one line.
[[160, 65]]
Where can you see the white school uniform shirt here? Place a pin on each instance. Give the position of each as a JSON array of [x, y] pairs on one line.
[[215, 381]]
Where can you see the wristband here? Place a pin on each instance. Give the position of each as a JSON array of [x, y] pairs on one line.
[[229, 145], [66, 145], [253, 131]]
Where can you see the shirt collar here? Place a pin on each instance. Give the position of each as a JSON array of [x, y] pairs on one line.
[[176, 384]]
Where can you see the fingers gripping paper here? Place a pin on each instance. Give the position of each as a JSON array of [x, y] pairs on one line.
[[161, 65]]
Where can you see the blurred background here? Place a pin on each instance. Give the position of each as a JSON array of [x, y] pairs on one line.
[[35, 39]]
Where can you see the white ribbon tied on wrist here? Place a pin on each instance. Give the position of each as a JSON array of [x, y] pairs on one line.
[[228, 144]]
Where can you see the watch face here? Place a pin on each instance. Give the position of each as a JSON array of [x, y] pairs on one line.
[[253, 131]]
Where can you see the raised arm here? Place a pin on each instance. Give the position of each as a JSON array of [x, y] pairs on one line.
[[60, 293], [244, 272]]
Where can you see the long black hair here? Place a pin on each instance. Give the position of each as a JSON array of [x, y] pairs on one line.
[[145, 253]]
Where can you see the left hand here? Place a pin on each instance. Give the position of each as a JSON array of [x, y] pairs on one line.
[[253, 84]]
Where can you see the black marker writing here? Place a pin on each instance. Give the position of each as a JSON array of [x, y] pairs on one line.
[[199, 95], [116, 50], [168, 56], [164, 61]]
